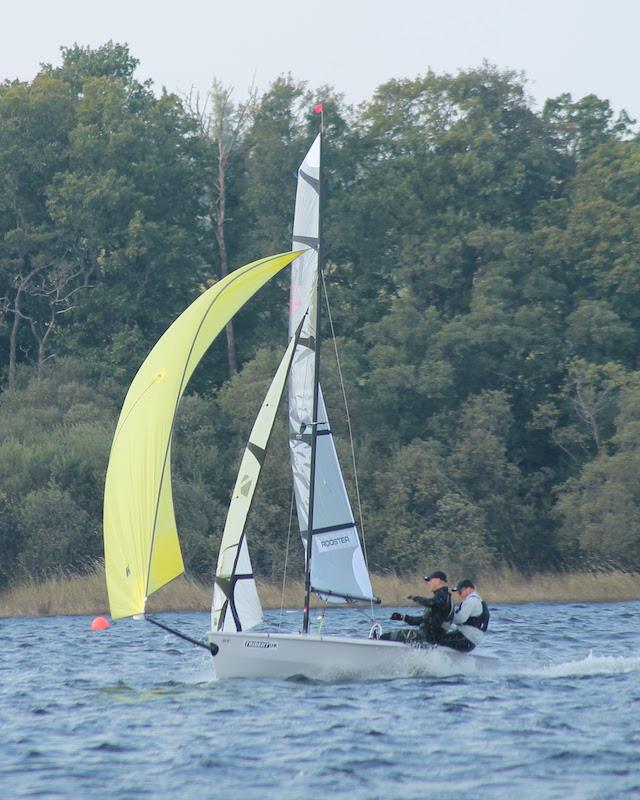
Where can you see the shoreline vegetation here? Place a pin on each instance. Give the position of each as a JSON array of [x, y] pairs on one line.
[[79, 595], [483, 279]]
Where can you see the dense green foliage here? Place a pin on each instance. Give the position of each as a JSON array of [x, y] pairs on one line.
[[483, 267]]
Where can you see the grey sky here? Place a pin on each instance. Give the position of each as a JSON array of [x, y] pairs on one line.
[[579, 46]]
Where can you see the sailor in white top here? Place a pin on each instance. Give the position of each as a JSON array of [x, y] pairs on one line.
[[470, 618]]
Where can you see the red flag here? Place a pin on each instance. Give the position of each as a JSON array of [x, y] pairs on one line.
[[318, 108]]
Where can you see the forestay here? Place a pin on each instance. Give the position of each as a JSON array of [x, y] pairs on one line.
[[337, 562]]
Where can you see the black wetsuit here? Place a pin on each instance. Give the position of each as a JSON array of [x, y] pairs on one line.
[[429, 624]]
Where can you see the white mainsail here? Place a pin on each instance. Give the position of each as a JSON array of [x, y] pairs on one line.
[[236, 605], [337, 562]]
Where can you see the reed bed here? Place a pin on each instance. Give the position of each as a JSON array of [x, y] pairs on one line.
[[86, 594], [509, 586]]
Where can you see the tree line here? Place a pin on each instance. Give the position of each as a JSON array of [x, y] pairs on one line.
[[483, 273]]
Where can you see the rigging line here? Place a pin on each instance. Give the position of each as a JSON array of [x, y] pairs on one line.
[[320, 618], [346, 406], [353, 452], [362, 611], [286, 559]]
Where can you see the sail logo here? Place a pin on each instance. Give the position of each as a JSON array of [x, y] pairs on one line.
[[327, 542], [261, 645]]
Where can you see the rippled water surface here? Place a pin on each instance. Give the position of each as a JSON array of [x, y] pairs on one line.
[[133, 712]]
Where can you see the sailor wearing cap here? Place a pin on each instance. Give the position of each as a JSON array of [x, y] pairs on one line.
[[432, 624], [470, 617]]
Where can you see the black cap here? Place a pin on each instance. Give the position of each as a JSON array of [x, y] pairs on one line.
[[465, 584], [437, 574]]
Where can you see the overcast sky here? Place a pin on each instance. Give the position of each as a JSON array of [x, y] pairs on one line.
[[577, 46]]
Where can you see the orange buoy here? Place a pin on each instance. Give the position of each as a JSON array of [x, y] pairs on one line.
[[99, 624]]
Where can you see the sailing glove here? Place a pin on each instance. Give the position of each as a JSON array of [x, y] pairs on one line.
[[397, 616]]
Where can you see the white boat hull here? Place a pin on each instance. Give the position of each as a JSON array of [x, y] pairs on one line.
[[286, 655]]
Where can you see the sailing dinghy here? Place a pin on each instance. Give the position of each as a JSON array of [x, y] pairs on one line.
[[142, 551], [335, 567]]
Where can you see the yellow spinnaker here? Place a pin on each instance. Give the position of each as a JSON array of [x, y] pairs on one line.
[[141, 546]]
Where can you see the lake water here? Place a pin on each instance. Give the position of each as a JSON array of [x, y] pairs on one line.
[[133, 712]]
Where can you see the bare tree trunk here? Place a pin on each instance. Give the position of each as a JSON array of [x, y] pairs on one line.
[[588, 413], [16, 310], [42, 340], [221, 204], [54, 287], [223, 127], [13, 349]]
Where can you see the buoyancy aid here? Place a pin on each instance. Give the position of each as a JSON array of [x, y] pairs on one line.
[[481, 621], [486, 616], [474, 625]]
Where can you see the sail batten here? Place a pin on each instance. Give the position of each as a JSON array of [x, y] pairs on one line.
[[142, 552]]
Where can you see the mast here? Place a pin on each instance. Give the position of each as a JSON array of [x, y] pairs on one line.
[[316, 385], [334, 562]]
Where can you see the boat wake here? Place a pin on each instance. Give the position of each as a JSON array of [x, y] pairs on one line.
[[436, 663], [590, 665]]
